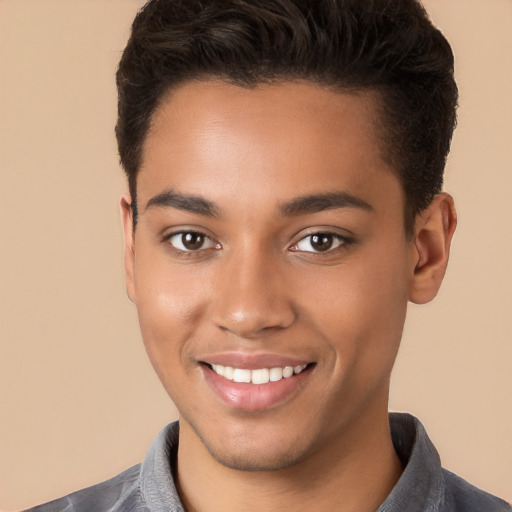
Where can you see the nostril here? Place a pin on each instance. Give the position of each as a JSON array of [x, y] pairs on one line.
[[255, 319]]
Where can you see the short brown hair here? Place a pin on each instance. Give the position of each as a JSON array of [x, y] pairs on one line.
[[389, 46]]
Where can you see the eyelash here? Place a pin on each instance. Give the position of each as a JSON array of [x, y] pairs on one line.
[[181, 253], [344, 243]]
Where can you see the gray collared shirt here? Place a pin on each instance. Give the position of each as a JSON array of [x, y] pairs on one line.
[[423, 487]]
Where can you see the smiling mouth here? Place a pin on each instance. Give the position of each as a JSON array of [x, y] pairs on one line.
[[258, 376]]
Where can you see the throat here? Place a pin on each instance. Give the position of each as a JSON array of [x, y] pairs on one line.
[[331, 480]]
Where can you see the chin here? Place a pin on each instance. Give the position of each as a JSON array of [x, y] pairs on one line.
[[255, 461], [254, 453]]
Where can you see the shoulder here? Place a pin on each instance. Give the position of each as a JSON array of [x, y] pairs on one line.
[[461, 496], [120, 493], [144, 487]]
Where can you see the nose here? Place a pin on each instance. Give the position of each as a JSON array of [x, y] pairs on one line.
[[252, 297]]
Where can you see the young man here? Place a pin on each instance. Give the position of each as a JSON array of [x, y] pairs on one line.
[[285, 163]]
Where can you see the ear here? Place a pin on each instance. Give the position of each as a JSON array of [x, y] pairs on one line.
[[129, 246], [434, 228]]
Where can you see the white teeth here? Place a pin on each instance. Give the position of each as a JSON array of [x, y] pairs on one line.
[[276, 374], [228, 372], [259, 376], [240, 375], [217, 368], [287, 372]]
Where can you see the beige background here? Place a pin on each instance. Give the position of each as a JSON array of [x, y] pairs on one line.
[[78, 399]]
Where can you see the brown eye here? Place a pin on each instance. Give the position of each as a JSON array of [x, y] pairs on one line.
[[190, 241], [320, 242]]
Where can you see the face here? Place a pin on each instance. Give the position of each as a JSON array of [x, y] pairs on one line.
[[269, 267]]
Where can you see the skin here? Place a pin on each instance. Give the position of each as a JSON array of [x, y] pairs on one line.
[[259, 287]]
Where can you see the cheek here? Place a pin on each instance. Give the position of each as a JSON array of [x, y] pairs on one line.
[[362, 311], [170, 301]]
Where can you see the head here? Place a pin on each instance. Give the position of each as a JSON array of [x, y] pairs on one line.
[[285, 161], [389, 47]]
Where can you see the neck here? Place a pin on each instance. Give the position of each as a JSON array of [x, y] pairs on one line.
[[355, 474]]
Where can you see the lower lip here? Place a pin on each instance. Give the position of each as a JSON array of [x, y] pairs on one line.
[[254, 397]]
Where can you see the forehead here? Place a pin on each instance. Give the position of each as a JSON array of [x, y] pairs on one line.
[[210, 137]]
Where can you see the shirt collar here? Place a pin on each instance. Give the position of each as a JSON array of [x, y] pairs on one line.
[[156, 481], [420, 488]]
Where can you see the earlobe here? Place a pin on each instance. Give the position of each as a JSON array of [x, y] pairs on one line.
[[129, 247], [432, 239]]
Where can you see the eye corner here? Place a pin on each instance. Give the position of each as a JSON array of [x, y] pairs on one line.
[[189, 242], [327, 243]]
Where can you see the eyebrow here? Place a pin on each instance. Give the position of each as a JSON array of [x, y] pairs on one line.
[[174, 199], [299, 206], [319, 202]]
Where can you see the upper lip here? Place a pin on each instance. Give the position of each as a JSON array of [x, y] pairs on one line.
[[252, 361]]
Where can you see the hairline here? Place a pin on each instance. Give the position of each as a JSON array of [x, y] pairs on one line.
[[375, 92]]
